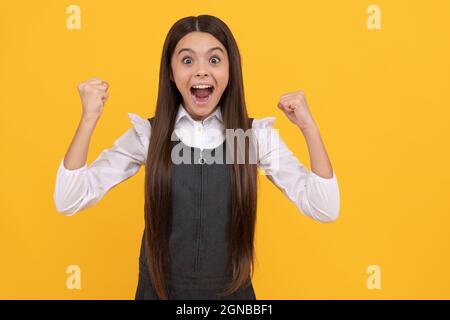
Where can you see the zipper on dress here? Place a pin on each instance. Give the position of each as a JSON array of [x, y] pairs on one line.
[[201, 161]]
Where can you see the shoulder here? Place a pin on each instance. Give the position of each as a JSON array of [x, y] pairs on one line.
[[141, 126], [262, 123], [267, 137]]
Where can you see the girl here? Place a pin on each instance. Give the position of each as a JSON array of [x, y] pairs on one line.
[[199, 217]]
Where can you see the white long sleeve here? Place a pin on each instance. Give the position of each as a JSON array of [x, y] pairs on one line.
[[315, 196], [82, 188]]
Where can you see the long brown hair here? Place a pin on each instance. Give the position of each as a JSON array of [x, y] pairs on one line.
[[158, 196]]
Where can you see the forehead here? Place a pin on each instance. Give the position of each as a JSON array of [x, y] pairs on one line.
[[200, 42]]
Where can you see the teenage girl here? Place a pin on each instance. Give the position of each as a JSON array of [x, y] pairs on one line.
[[199, 216]]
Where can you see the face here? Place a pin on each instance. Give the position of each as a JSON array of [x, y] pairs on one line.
[[199, 67]]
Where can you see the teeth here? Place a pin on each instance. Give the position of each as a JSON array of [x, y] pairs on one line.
[[202, 86]]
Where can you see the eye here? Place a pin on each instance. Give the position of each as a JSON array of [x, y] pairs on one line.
[[217, 59], [187, 60]]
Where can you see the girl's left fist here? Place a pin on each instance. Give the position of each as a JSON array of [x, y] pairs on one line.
[[296, 109]]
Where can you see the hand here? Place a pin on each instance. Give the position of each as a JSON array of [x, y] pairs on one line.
[[93, 94], [296, 109]]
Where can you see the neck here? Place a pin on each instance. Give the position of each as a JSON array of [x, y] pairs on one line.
[[197, 117]]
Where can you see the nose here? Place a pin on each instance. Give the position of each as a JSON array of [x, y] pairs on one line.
[[201, 74], [202, 70]]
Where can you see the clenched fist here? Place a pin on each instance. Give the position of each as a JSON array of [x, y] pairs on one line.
[[296, 109], [93, 94]]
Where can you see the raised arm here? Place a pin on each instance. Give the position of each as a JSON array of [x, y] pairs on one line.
[[93, 94], [79, 186], [295, 107], [316, 192]]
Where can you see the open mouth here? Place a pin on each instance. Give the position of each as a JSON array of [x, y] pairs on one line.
[[202, 93]]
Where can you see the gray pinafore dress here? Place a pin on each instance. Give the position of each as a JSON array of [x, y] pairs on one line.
[[198, 242]]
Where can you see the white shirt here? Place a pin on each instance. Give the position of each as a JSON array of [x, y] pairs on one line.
[[78, 189]]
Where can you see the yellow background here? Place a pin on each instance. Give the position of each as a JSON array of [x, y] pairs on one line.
[[380, 98]]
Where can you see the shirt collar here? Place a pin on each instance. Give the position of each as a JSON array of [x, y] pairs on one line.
[[183, 113]]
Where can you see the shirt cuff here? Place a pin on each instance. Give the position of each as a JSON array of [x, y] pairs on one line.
[[322, 179], [71, 171]]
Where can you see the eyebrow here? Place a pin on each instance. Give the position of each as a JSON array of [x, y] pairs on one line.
[[190, 50]]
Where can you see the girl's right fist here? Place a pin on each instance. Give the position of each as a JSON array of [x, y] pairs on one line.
[[93, 94]]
